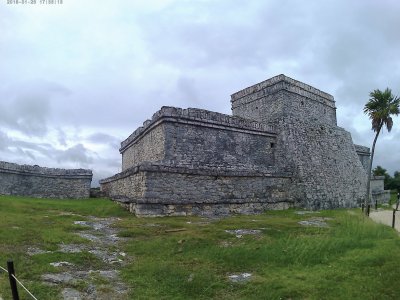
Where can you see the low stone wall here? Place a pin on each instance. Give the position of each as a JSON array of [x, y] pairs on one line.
[[39, 182], [156, 190], [381, 197], [377, 184], [378, 192]]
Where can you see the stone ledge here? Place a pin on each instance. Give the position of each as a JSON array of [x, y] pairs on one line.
[[153, 167], [217, 209], [155, 201]]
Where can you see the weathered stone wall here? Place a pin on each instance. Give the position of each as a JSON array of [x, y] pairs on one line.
[[194, 145], [127, 186], [155, 190], [194, 137], [377, 183], [149, 146], [35, 181], [364, 155], [380, 197], [326, 168], [282, 96]]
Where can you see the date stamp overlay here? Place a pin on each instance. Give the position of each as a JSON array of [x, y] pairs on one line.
[[34, 2]]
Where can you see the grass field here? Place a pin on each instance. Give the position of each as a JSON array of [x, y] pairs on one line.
[[192, 257]]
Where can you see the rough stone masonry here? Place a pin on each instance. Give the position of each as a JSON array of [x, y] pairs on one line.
[[281, 148], [40, 182]]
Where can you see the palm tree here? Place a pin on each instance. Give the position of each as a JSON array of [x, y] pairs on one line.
[[379, 108]]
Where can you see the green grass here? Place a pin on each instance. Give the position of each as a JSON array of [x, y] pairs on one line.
[[353, 258], [393, 197]]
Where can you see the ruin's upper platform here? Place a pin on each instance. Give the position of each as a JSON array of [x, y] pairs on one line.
[[199, 116], [283, 82]]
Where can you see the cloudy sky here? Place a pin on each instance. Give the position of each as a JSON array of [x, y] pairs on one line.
[[77, 78]]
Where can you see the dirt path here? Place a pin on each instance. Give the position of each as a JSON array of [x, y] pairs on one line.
[[385, 217]]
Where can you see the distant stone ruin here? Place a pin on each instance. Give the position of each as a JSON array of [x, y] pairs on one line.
[[281, 148], [378, 192], [39, 182]]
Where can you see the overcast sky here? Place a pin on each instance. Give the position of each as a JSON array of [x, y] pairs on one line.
[[77, 78]]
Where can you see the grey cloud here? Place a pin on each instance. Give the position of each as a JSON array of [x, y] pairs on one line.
[[4, 140], [188, 91], [102, 138], [31, 115], [42, 148], [28, 107], [61, 137], [76, 154], [357, 50], [25, 149], [26, 154], [248, 35], [109, 162], [27, 114]]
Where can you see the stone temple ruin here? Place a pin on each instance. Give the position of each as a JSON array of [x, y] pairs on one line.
[[280, 148]]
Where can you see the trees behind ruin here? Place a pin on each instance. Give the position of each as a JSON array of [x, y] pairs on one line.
[[390, 183]]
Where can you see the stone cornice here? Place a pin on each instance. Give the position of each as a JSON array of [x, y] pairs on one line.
[[157, 167]]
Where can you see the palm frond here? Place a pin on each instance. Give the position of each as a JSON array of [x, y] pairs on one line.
[[389, 124], [380, 107]]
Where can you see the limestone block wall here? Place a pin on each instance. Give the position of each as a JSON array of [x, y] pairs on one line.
[[149, 146], [35, 181], [268, 101], [126, 186], [326, 168], [377, 183], [201, 146], [157, 190], [378, 192], [195, 137], [364, 155]]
